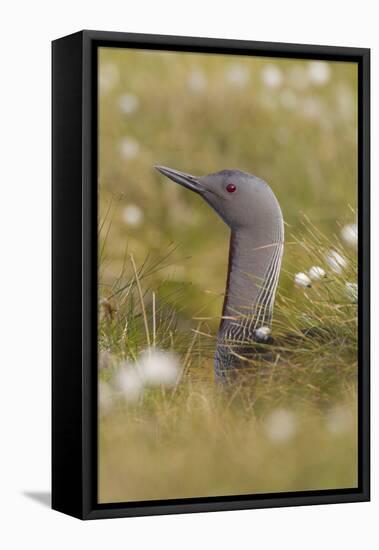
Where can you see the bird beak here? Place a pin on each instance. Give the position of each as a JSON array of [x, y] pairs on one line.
[[188, 181]]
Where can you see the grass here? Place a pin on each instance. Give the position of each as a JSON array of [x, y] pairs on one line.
[[162, 279], [200, 439], [201, 444]]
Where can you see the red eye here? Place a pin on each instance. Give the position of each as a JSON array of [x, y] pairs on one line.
[[231, 188]]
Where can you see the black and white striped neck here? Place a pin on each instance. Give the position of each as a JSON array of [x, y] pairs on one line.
[[253, 274]]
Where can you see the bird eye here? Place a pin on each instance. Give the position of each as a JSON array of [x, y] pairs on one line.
[[231, 188]]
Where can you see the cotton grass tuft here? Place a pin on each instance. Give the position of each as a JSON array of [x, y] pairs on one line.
[[302, 280], [336, 261], [316, 272], [129, 148], [132, 215], [263, 333], [349, 234], [280, 425], [197, 81], [272, 76], [319, 72], [128, 103], [159, 368], [237, 75]]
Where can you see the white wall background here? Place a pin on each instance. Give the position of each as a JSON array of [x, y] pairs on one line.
[[27, 29]]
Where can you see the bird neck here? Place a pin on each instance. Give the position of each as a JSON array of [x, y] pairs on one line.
[[253, 273]]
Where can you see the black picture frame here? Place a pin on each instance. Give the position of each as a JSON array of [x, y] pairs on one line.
[[74, 298]]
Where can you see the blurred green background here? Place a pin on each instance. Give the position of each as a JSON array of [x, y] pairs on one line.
[[291, 122]]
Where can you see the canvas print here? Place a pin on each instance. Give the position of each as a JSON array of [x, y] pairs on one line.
[[227, 275]]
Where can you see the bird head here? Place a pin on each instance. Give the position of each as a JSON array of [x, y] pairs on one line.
[[239, 198]]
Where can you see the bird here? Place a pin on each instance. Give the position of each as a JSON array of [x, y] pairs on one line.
[[250, 209]]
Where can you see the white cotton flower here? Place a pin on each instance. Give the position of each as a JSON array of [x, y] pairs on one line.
[[319, 72], [159, 368], [352, 291], [302, 280], [128, 103], [349, 234], [238, 75], [316, 272], [108, 77], [263, 333], [336, 261], [129, 382], [105, 397], [132, 215], [271, 76], [197, 81], [129, 147], [280, 425], [339, 420]]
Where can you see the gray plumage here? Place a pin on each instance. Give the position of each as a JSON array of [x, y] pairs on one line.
[[250, 209]]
